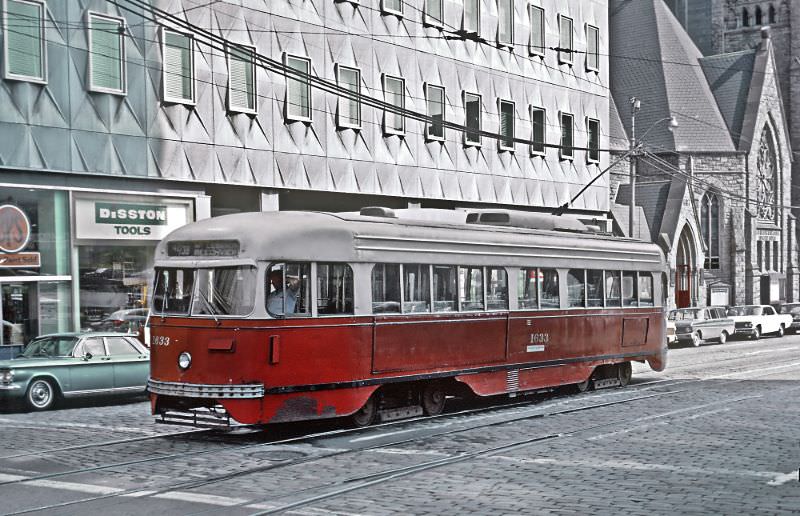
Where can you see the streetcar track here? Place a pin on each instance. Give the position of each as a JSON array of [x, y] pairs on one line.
[[193, 484]]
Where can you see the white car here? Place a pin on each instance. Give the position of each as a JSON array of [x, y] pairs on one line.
[[753, 321]]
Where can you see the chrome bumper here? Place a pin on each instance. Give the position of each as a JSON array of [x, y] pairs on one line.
[[9, 387], [197, 390]]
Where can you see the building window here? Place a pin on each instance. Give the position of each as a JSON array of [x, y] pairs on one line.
[[298, 89], [760, 254], [567, 141], [106, 54], [348, 110], [242, 79], [506, 141], [434, 98], [178, 67], [766, 177], [709, 220], [472, 114], [394, 94], [25, 53], [592, 48], [775, 256], [565, 42], [759, 16], [745, 17], [472, 17], [434, 13], [771, 14], [505, 22], [538, 121], [593, 128], [392, 7], [536, 43]]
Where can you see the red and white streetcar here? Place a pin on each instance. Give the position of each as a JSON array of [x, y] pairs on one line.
[[290, 316]]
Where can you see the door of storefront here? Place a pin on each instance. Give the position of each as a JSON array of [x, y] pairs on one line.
[[19, 305]]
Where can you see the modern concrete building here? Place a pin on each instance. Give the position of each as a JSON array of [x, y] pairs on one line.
[[119, 122], [714, 191]]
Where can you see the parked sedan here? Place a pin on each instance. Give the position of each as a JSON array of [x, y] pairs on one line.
[[792, 309], [74, 364], [753, 321], [694, 325]]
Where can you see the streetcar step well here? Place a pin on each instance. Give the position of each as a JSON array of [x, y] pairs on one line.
[[399, 413], [199, 418], [606, 383]]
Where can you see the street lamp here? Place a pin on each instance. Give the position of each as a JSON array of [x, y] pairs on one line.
[[636, 104]]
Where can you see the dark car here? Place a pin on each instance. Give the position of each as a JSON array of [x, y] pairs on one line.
[[695, 325], [74, 364], [792, 309]]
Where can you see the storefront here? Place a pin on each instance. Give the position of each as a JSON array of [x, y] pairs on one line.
[[115, 238], [79, 260]]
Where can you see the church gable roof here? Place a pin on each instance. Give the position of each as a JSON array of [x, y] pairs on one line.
[[730, 78], [655, 60]]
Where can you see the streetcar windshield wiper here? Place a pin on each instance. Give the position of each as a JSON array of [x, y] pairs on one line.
[[209, 307]]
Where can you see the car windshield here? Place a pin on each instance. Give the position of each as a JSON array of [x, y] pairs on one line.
[[745, 310], [688, 315], [50, 347], [790, 309]]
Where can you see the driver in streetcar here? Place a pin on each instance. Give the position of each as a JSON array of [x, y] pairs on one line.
[[282, 294]]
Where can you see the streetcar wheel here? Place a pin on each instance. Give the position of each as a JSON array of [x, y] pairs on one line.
[[781, 331], [40, 395], [584, 385], [366, 414], [723, 337], [624, 373], [433, 399]]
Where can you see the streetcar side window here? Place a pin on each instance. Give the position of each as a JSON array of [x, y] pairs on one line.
[[470, 285], [334, 289], [385, 288], [629, 288], [173, 291], [576, 288], [445, 287], [613, 288], [496, 288], [594, 288], [549, 291], [289, 289], [527, 296], [645, 289], [416, 288]]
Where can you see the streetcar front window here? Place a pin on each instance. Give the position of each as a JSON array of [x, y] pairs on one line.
[[172, 293], [225, 291]]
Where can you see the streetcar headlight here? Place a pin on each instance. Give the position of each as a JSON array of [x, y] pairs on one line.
[[184, 360]]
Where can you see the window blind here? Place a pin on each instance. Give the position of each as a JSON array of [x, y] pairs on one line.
[[106, 53], [298, 95], [242, 94], [24, 39], [178, 72]]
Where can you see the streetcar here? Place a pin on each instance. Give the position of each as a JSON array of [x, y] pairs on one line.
[[274, 317]]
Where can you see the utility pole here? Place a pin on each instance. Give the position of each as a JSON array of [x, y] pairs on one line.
[[635, 105]]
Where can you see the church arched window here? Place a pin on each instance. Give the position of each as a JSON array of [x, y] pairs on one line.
[[709, 221], [759, 16], [745, 17], [766, 177], [771, 14]]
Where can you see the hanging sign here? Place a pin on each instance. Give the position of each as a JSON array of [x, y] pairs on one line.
[[15, 229]]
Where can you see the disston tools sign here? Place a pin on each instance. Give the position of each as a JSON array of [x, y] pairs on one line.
[[129, 219]]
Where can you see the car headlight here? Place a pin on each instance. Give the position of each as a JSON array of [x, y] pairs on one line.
[[748, 325], [184, 360], [6, 376]]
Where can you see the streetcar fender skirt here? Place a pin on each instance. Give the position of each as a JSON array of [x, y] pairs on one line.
[[658, 362], [284, 408], [527, 379]]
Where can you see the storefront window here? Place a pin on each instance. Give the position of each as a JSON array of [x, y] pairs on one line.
[[113, 285], [34, 265]]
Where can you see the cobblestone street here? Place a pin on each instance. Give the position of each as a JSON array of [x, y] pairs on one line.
[[717, 432]]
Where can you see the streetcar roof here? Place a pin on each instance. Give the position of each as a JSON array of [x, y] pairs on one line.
[[352, 237]]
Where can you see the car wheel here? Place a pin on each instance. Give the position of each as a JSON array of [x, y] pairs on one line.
[[781, 331], [697, 339], [41, 394], [757, 333], [723, 337]]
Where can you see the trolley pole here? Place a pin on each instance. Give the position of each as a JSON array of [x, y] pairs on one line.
[[635, 105]]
